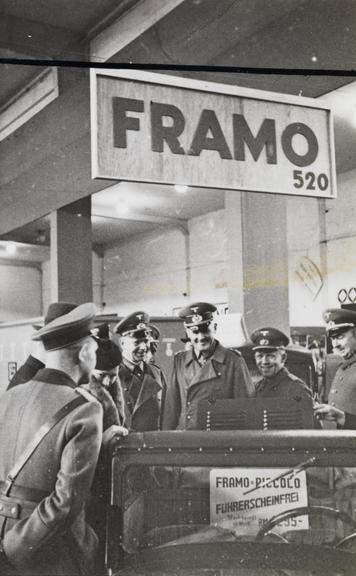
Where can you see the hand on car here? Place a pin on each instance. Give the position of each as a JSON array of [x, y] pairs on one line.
[[112, 431], [330, 413]]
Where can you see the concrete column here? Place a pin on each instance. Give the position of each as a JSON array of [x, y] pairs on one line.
[[233, 207], [258, 259], [265, 261], [71, 253]]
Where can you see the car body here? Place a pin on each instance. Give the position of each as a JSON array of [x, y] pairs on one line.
[[164, 504]]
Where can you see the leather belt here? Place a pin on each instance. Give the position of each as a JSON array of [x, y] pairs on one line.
[[11, 508], [23, 493]]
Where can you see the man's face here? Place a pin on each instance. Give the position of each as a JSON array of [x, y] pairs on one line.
[[344, 343], [269, 362], [134, 349], [106, 377], [201, 336]]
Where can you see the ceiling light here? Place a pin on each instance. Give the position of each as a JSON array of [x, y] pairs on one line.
[[181, 188], [11, 248], [122, 207]]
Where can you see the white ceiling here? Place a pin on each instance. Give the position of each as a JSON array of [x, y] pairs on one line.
[[263, 33]]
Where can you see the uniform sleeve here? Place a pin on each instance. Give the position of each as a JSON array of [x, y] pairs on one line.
[[54, 514], [243, 385], [172, 403]]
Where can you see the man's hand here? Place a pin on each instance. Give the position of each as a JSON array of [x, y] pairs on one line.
[[112, 431], [330, 413]]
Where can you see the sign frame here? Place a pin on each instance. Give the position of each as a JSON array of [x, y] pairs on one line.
[[182, 83]]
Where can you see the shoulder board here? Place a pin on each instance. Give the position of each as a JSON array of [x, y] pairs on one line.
[[154, 367], [179, 353], [87, 395], [294, 377], [235, 351]]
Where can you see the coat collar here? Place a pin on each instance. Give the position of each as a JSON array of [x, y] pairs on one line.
[[131, 365], [219, 354], [149, 384], [273, 382], [52, 376], [346, 363]]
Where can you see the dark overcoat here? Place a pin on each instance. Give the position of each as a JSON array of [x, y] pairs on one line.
[[224, 375], [144, 413], [283, 384], [342, 393], [50, 537]]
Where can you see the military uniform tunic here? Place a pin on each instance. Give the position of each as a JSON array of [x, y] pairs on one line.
[[51, 537], [143, 393], [224, 375], [282, 384], [342, 393]]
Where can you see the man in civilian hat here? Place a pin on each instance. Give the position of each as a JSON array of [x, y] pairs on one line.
[[105, 386], [207, 371], [42, 516], [269, 346], [143, 384], [104, 382], [35, 360], [341, 407]]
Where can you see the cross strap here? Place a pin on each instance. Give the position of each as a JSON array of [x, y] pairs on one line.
[[37, 439]]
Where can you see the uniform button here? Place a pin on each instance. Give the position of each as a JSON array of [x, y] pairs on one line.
[[332, 391], [188, 417], [188, 403], [332, 403]]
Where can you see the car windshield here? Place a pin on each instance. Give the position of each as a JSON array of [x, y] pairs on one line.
[[245, 503]]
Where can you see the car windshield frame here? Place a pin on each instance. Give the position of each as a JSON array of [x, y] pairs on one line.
[[288, 449]]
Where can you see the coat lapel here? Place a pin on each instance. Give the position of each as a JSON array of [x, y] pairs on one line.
[[210, 370], [149, 387]]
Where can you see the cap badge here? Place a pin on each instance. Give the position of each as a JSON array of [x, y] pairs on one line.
[[264, 332], [331, 324], [197, 318], [139, 316], [264, 342], [141, 326]]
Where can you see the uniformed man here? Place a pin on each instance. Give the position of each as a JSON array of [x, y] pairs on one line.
[[270, 357], [42, 516], [341, 407], [143, 385], [207, 371], [35, 360], [154, 337]]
